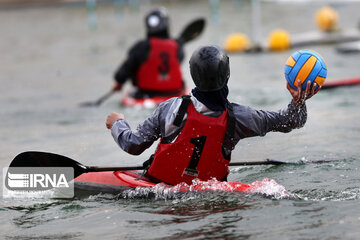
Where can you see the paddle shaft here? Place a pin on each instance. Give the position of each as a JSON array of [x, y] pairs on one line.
[[266, 162], [231, 164], [99, 101], [103, 98], [45, 159], [105, 169]]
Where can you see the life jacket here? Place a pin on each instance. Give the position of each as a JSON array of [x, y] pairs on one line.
[[161, 71], [197, 151]]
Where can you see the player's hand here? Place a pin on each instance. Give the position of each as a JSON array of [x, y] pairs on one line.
[[117, 86], [112, 117], [300, 95]]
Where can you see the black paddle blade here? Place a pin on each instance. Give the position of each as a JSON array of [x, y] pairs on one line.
[[193, 30], [44, 159]]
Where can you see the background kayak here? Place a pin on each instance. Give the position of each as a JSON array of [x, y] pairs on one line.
[[341, 83], [349, 47], [151, 102]]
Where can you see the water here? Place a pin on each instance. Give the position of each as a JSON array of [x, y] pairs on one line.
[[52, 60]]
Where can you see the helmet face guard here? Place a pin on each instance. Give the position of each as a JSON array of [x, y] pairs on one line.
[[209, 68], [157, 21]]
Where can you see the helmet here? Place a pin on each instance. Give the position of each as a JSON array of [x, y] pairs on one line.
[[209, 68], [157, 21]]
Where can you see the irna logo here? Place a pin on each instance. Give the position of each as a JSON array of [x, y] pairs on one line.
[[27, 179], [21, 181]]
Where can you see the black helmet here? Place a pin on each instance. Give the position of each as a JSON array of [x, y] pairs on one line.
[[157, 21], [209, 68]]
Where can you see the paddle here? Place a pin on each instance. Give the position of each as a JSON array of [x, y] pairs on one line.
[[45, 159], [190, 32], [99, 101]]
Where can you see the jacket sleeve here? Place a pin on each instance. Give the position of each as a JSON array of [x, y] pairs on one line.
[[136, 56], [251, 122], [135, 142]]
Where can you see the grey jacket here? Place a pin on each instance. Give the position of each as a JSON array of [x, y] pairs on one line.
[[249, 123]]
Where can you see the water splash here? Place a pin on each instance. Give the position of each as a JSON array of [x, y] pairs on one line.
[[266, 187], [270, 188]]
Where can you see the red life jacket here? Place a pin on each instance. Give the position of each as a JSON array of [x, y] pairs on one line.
[[161, 71], [196, 152]]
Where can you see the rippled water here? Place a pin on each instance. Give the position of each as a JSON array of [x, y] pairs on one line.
[[51, 62]]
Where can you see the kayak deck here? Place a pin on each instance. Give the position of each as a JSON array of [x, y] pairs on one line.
[[108, 182]]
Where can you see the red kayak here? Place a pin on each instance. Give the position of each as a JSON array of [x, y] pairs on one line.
[[148, 102], [341, 83], [94, 180], [119, 181]]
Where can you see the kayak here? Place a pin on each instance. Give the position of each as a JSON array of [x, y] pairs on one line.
[[109, 181], [148, 102], [349, 47], [115, 182], [130, 184], [92, 180], [340, 83]]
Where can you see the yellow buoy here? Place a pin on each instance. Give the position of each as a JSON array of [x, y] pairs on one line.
[[237, 42], [279, 40], [326, 19]]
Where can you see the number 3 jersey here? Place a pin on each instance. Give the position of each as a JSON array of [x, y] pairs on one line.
[[161, 71], [195, 153]]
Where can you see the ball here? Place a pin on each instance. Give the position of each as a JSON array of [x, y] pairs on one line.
[[305, 65]]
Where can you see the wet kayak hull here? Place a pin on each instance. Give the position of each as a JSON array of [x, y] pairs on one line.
[[119, 181]]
